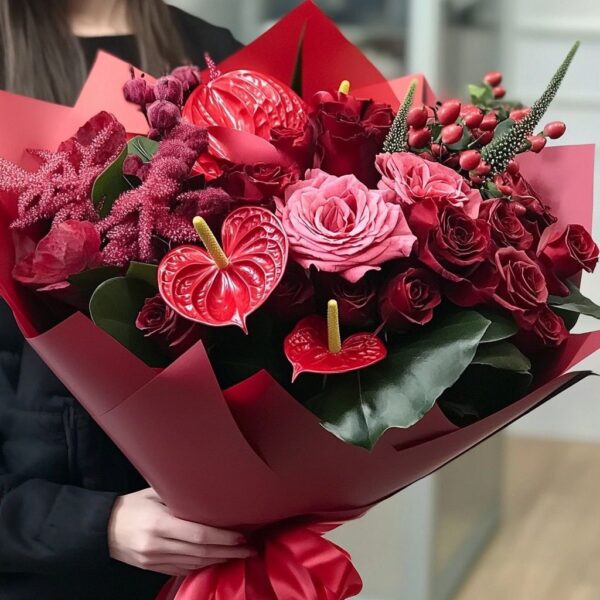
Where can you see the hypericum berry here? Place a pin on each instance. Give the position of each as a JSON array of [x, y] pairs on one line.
[[448, 112], [428, 156], [419, 138], [437, 149], [475, 179], [482, 169], [513, 167], [493, 78], [469, 160], [555, 130], [417, 117], [473, 118], [499, 92], [452, 161], [452, 134], [489, 122], [537, 142], [518, 113]]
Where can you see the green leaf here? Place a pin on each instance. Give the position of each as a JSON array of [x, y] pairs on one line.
[[110, 184], [502, 355], [399, 391], [481, 94], [88, 281], [575, 302], [144, 272], [502, 327], [114, 307], [143, 147]]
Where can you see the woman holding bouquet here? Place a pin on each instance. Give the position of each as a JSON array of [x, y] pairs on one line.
[[73, 523]]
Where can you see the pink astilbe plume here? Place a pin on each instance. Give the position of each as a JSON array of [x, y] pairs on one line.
[[60, 189], [160, 209]]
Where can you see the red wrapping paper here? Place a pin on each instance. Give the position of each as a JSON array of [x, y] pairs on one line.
[[251, 456]]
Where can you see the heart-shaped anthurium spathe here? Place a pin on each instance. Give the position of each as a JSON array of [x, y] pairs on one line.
[[315, 346], [223, 285]]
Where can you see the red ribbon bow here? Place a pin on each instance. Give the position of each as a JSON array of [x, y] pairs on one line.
[[295, 564]]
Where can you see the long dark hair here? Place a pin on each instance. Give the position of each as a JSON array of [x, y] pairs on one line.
[[42, 58]]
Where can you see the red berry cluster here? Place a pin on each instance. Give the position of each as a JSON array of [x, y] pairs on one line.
[[453, 132]]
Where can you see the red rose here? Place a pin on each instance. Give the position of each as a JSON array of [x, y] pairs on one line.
[[171, 330], [70, 248], [522, 288], [351, 133], [409, 297], [357, 302], [258, 182], [550, 328], [294, 297], [298, 145], [507, 228], [456, 247], [568, 250]]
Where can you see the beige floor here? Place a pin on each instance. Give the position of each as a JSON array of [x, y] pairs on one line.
[[549, 545]]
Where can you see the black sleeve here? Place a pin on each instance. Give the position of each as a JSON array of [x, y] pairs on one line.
[[51, 528]]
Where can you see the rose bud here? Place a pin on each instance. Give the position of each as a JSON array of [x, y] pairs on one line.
[[169, 88], [499, 92], [473, 118], [294, 297], [357, 302], [448, 112], [555, 130], [419, 138], [568, 250], [550, 328], [538, 142], [469, 160], [409, 298], [489, 122], [493, 78], [135, 90], [518, 114], [452, 134], [163, 115], [417, 117]]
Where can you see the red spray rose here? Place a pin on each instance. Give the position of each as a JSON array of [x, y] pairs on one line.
[[522, 289], [294, 297], [550, 328], [409, 298], [456, 247], [70, 248], [357, 302], [172, 331], [257, 183], [568, 250], [298, 145], [350, 134], [507, 228]]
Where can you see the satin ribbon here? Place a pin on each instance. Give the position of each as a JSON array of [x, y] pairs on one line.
[[294, 564]]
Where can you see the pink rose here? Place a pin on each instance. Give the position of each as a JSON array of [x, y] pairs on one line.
[[413, 179], [338, 225], [70, 248]]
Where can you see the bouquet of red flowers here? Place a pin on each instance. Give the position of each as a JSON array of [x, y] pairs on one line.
[[304, 296]]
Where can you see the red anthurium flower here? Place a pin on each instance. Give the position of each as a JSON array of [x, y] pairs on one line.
[[315, 346], [223, 285]]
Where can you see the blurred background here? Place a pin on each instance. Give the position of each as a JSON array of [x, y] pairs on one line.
[[517, 518]]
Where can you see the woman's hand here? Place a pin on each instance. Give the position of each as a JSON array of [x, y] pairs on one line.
[[143, 533]]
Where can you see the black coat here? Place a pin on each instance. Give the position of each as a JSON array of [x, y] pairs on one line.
[[59, 473]]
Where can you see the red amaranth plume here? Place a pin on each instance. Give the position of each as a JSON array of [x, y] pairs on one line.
[[159, 209], [60, 189]]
